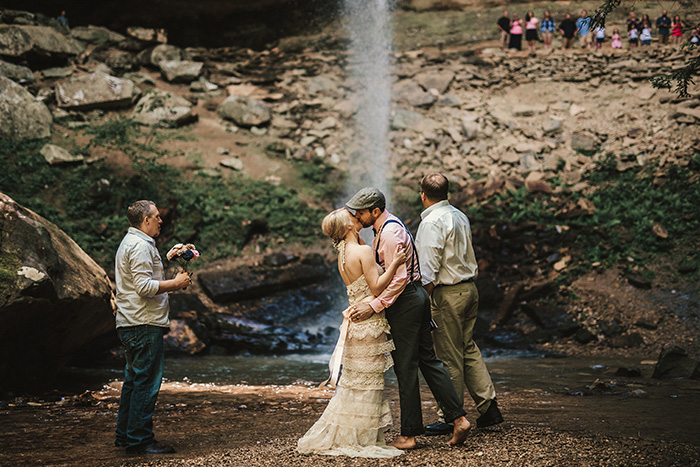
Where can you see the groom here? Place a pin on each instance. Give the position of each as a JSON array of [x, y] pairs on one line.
[[407, 308]]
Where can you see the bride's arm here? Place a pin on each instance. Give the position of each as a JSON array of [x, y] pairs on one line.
[[376, 282]]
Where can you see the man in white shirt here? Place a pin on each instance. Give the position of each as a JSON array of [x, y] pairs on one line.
[[448, 266], [142, 320]]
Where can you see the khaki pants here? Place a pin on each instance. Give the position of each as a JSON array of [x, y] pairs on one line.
[[454, 309]]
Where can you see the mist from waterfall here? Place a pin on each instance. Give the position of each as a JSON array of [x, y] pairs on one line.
[[369, 25]]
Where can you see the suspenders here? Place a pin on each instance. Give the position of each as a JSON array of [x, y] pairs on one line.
[[413, 255]]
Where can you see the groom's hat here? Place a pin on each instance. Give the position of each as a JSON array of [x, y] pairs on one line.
[[367, 198]]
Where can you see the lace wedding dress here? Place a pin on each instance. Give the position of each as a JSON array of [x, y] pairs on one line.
[[353, 423]]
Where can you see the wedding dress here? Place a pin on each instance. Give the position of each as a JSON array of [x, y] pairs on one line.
[[353, 423]]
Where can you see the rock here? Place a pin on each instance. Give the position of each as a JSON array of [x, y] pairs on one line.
[[222, 151], [633, 339], [96, 35], [522, 110], [438, 80], [160, 53], [639, 281], [35, 43], [244, 283], [471, 129], [327, 124], [245, 111], [101, 189], [140, 79], [22, 116], [535, 182], [122, 62], [181, 338], [279, 258], [180, 71], [552, 126], [95, 91], [321, 84], [163, 108], [410, 92], [56, 73], [584, 336], [17, 73], [56, 155], [674, 362], [583, 142], [233, 163], [449, 100], [408, 119], [142, 34], [55, 300]]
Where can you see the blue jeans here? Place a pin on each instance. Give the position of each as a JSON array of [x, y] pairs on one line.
[[143, 373]]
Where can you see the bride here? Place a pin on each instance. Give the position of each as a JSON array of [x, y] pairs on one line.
[[353, 423]]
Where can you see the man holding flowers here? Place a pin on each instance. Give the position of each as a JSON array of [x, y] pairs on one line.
[[142, 320]]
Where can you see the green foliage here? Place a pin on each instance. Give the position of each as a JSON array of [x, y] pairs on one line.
[[9, 265], [323, 180], [218, 215], [627, 206], [117, 133]]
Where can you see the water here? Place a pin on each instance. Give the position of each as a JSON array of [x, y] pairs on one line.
[[368, 23]]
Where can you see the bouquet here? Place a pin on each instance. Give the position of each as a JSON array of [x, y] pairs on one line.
[[183, 254]]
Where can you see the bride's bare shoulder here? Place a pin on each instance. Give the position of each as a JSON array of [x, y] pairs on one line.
[[359, 251]]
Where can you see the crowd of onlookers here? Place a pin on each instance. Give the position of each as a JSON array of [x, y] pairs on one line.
[[592, 34]]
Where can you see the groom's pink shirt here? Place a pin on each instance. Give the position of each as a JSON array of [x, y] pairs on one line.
[[393, 235]]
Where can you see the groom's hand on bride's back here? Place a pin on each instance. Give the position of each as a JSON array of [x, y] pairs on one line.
[[360, 312]]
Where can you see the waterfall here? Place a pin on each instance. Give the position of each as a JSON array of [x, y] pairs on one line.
[[368, 23]]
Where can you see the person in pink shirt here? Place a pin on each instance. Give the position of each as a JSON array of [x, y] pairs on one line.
[[407, 309], [531, 31], [516, 33]]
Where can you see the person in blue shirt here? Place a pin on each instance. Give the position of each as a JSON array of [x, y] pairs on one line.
[[547, 27], [583, 26], [663, 23], [62, 18]]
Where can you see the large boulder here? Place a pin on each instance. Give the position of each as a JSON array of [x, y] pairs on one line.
[[674, 362], [245, 111], [180, 71], [248, 282], [54, 299], [96, 35], [96, 90], [36, 42], [409, 91], [163, 108], [17, 73], [21, 115], [160, 53]]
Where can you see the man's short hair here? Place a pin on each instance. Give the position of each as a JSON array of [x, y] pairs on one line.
[[138, 211], [435, 186]]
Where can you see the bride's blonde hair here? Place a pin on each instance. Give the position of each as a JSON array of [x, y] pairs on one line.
[[337, 224]]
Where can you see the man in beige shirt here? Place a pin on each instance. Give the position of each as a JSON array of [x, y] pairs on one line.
[[448, 266], [142, 320]]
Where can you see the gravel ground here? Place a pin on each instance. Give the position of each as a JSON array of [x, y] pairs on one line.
[[259, 425]]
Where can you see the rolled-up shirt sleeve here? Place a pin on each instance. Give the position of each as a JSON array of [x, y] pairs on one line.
[[392, 238], [430, 246], [142, 268]]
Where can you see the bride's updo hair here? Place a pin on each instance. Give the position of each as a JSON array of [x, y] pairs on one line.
[[337, 224]]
